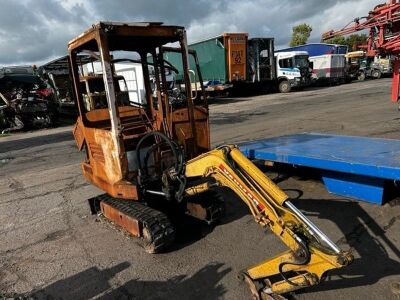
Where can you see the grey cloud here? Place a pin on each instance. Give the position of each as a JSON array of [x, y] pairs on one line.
[[171, 11], [32, 31], [309, 8], [37, 30], [276, 18]]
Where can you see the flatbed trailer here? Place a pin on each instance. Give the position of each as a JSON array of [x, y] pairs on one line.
[[350, 166]]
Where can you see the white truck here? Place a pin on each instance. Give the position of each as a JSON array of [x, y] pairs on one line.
[[328, 68], [292, 70]]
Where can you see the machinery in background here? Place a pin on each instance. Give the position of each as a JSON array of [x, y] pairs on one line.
[[28, 102], [383, 23], [154, 162], [56, 73], [360, 66], [27, 109], [385, 65], [354, 70]]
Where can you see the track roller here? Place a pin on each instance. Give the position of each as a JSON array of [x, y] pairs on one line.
[[151, 225]]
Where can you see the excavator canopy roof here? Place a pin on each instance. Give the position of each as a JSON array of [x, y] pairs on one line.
[[127, 36]]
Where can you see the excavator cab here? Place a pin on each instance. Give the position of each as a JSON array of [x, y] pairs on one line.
[[110, 123], [143, 123]]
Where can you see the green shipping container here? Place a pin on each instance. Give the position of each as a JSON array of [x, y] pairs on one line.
[[211, 55], [176, 60]]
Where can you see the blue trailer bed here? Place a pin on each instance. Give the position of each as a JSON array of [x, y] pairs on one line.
[[351, 166]]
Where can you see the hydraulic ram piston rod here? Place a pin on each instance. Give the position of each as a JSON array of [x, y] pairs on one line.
[[312, 227]]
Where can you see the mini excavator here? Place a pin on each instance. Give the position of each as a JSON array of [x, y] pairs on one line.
[[157, 146]]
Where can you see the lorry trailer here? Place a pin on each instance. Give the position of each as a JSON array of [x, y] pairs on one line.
[[282, 71], [329, 68], [317, 49], [223, 58]]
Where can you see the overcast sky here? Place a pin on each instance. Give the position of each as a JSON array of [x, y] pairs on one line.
[[36, 31]]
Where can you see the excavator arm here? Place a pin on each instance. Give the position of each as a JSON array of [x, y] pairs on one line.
[[311, 253]]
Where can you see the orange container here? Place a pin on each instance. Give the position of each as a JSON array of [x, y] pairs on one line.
[[235, 46]]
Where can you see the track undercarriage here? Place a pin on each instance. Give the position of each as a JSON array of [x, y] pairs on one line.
[[153, 225]]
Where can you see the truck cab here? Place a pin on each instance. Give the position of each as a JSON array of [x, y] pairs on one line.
[[292, 70]]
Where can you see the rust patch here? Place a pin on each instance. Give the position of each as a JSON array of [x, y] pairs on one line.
[[112, 167], [196, 210], [128, 223], [97, 152], [78, 134]]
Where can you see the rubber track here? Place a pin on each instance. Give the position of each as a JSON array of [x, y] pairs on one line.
[[160, 228]]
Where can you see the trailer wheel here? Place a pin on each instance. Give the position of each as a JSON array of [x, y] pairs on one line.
[[284, 86], [376, 74]]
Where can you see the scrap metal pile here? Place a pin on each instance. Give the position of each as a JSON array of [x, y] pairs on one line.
[[26, 100]]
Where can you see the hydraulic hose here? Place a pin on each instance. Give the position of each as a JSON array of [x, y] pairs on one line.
[[303, 261], [155, 146], [167, 140], [178, 154]]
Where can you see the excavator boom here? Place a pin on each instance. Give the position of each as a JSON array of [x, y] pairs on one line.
[[311, 253]]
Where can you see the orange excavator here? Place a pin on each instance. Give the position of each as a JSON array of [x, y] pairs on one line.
[[149, 148]]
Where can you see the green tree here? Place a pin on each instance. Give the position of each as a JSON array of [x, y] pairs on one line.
[[300, 34], [337, 40], [355, 40], [352, 41]]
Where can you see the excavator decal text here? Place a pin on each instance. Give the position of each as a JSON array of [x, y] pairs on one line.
[[243, 188]]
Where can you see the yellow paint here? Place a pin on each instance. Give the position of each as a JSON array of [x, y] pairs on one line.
[[230, 168]]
